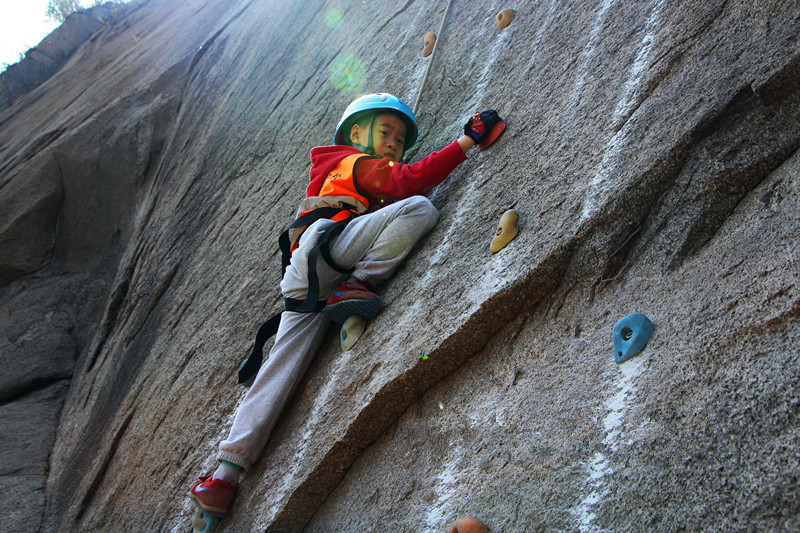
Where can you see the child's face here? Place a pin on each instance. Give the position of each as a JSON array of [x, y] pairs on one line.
[[388, 136]]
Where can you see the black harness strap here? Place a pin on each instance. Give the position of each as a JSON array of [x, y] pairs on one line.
[[322, 246], [311, 304], [250, 367], [313, 279], [306, 220]]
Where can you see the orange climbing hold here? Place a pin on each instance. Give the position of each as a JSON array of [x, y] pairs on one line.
[[430, 40], [468, 525], [505, 17], [499, 128]]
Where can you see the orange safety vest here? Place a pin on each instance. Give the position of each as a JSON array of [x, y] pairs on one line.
[[341, 181], [339, 193]]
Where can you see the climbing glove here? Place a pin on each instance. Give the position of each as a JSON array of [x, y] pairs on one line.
[[480, 125]]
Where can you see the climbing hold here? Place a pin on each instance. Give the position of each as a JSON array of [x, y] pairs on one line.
[[506, 230], [505, 17], [468, 525], [204, 522], [249, 382], [630, 335], [430, 40], [351, 331], [498, 128]]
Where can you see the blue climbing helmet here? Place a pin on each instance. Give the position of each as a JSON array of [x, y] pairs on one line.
[[375, 103]]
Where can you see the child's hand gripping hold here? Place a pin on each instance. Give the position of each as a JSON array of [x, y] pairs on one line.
[[484, 128]]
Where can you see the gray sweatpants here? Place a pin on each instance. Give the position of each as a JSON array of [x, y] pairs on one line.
[[374, 245]]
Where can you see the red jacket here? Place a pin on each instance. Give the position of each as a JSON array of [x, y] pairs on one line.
[[384, 179]]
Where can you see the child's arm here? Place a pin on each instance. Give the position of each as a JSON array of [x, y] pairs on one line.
[[465, 142], [385, 179]]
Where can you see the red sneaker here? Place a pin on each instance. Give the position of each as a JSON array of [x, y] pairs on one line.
[[352, 298], [213, 496]]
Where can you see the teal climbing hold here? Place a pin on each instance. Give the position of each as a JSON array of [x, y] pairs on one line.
[[630, 336], [203, 522], [249, 382]]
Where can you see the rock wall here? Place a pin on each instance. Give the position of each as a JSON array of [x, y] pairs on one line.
[[651, 152], [43, 60]]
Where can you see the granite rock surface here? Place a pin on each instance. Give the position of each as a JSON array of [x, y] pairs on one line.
[[651, 153]]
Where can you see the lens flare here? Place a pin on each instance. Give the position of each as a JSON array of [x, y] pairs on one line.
[[348, 73], [333, 18]]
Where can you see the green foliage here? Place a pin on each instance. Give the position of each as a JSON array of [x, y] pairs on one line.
[[58, 10]]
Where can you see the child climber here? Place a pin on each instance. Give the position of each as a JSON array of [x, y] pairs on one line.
[[361, 217]]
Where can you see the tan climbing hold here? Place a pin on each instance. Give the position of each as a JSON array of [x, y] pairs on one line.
[[505, 17], [468, 525], [430, 40], [352, 329], [506, 230]]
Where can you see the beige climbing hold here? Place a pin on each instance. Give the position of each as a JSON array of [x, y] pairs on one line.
[[468, 525], [505, 17], [506, 230], [352, 329], [430, 40]]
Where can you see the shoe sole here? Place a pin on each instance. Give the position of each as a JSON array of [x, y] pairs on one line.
[[213, 511], [366, 309]]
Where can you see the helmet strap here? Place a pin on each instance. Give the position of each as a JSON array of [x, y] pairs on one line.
[[370, 148]]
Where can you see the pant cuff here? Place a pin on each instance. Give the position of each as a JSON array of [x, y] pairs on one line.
[[238, 460]]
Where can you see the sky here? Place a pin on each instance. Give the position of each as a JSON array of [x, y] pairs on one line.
[[23, 24]]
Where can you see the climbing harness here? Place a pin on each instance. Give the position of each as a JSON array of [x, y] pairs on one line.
[[311, 304], [338, 188]]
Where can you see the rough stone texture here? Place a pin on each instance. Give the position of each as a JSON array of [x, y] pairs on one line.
[[43, 60], [31, 199], [651, 153], [694, 434], [29, 428]]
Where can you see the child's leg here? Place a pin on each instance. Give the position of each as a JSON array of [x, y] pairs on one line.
[[296, 342], [376, 244]]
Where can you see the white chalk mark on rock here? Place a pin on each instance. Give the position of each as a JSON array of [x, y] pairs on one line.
[[609, 171], [633, 82], [588, 52], [600, 465], [446, 490]]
